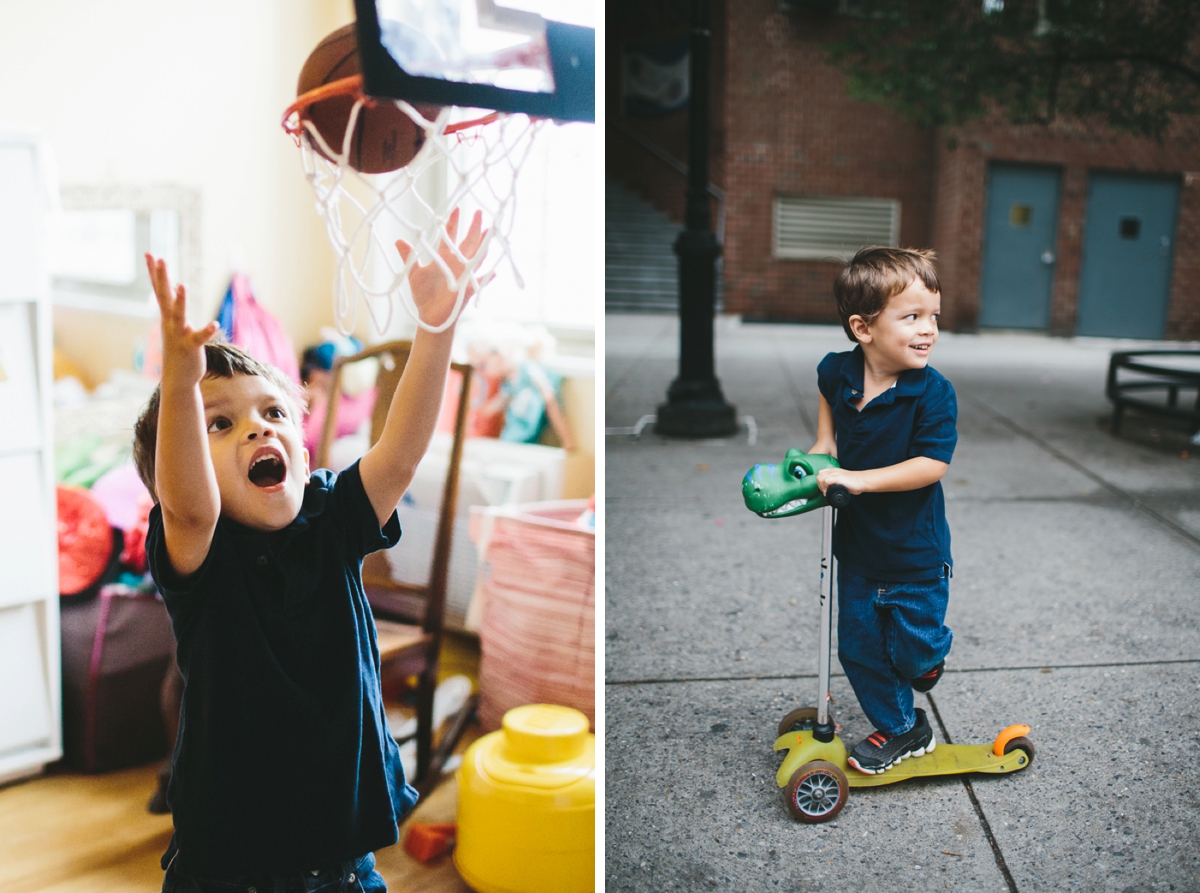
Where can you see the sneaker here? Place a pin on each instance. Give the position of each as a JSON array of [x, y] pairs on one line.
[[928, 680], [881, 751]]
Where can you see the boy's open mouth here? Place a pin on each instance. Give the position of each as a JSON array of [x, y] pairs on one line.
[[267, 470]]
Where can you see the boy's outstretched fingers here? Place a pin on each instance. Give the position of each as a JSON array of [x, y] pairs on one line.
[[474, 237], [158, 279], [452, 225], [435, 285], [173, 308], [203, 336], [162, 288]]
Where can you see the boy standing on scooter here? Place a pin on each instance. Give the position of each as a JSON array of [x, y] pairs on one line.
[[889, 418]]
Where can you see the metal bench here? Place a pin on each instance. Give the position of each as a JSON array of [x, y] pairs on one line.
[[1164, 370]]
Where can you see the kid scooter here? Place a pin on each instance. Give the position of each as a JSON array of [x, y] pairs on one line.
[[814, 773]]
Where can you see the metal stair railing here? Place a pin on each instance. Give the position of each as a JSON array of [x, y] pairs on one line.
[[662, 155]]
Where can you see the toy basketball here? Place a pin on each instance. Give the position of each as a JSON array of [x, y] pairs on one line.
[[385, 138]]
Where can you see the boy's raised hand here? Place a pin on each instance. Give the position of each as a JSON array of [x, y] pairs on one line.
[[432, 295], [183, 470], [183, 346]]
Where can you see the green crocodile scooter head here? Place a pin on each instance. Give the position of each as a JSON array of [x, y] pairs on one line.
[[780, 491]]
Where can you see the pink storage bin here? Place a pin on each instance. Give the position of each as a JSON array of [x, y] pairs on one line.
[[537, 629]]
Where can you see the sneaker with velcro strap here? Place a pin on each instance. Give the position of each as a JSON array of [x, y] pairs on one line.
[[880, 751]]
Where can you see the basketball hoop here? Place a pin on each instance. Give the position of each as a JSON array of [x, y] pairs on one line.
[[464, 160]]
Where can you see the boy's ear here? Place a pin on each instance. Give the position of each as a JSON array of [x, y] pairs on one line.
[[307, 468], [861, 330]]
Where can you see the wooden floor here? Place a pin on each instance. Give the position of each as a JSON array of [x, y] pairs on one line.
[[69, 833]]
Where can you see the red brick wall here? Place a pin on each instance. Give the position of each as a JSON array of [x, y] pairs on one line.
[[951, 214], [1183, 310], [960, 202], [791, 129]]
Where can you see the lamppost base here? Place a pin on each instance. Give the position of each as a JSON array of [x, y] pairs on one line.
[[702, 417]]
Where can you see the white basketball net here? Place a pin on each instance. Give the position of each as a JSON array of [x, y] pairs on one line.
[[472, 169]]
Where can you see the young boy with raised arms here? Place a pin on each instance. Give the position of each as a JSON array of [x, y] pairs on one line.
[[285, 775], [889, 417]]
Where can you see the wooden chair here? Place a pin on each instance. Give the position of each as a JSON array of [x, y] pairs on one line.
[[408, 617]]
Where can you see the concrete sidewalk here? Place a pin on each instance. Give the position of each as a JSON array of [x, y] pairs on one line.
[[1075, 607]]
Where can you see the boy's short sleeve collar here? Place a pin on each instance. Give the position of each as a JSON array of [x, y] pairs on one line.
[[850, 375], [852, 369], [848, 378], [316, 495], [911, 382], [316, 498]]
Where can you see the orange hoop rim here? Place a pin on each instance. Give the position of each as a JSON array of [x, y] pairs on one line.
[[296, 113]]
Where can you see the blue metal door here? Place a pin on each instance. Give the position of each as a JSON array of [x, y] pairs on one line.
[[1018, 247], [1128, 244]]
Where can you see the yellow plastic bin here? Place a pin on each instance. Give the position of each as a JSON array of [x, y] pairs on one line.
[[527, 805]]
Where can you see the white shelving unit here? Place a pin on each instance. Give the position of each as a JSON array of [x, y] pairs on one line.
[[30, 663]]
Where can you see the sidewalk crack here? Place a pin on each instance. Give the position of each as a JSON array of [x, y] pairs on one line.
[[983, 822]]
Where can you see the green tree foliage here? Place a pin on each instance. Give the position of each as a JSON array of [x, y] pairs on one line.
[[1131, 65]]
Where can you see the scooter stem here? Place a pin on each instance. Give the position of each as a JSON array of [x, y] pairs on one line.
[[824, 729]]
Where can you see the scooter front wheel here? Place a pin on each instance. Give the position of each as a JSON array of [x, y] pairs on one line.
[[816, 792], [1020, 744], [802, 719]]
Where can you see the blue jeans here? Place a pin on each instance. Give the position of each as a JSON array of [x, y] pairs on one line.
[[889, 633], [353, 876]]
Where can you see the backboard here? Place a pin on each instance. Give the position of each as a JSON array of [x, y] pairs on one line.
[[477, 54]]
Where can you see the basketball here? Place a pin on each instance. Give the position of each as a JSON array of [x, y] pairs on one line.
[[384, 139]]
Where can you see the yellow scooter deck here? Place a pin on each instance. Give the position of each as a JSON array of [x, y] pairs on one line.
[[945, 759]]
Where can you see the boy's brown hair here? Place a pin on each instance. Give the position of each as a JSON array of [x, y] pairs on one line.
[[877, 274], [223, 361]]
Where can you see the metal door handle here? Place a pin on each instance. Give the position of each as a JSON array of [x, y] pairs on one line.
[[1047, 257]]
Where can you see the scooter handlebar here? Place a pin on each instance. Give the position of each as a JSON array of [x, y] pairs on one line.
[[837, 496]]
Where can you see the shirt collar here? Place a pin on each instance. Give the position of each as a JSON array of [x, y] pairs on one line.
[[911, 382], [316, 494]]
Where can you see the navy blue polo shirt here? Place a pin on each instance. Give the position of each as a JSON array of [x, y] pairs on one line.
[[895, 537], [284, 762]]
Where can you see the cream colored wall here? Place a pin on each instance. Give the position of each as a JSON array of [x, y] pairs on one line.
[[137, 93]]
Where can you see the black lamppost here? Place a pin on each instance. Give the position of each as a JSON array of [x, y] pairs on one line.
[[695, 406]]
